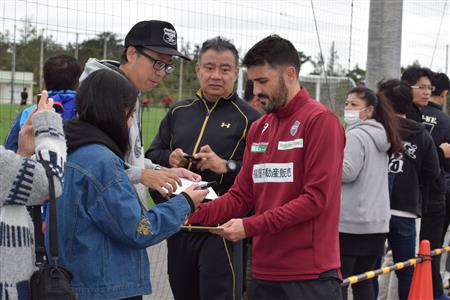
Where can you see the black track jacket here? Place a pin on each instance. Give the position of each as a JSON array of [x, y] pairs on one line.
[[193, 123]]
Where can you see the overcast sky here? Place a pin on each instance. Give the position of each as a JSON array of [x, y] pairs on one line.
[[245, 22]]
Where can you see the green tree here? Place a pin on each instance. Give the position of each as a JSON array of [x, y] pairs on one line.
[[94, 47], [357, 74]]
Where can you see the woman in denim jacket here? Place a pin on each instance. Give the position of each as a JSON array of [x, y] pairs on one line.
[[102, 228]]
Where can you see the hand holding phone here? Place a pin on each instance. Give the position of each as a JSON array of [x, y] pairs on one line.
[[191, 157]]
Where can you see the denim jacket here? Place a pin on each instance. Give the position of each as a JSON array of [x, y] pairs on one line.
[[103, 230]]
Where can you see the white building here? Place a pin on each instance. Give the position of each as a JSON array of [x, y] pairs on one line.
[[21, 80]]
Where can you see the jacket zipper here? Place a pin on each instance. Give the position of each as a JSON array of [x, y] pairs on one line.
[[202, 130]]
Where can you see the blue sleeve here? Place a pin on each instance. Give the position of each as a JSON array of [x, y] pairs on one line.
[[12, 138], [25, 113], [117, 212]]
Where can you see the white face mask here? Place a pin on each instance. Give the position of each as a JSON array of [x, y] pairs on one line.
[[352, 116]]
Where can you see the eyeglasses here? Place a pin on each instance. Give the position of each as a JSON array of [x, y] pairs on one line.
[[157, 64], [424, 87]]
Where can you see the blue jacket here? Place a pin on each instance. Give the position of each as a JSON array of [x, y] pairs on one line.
[[103, 230], [66, 98]]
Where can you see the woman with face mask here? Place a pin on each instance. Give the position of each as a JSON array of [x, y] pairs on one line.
[[371, 135]]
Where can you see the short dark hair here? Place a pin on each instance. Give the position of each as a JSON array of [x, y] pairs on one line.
[[413, 74], [248, 92], [274, 51], [398, 93], [441, 83], [219, 44], [61, 72], [103, 99], [123, 56]]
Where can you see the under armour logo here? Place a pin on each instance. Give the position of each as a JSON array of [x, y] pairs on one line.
[[227, 125]]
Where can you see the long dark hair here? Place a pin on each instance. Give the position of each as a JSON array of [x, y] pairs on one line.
[[384, 114], [105, 99]]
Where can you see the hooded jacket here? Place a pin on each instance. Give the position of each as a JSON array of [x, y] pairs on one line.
[[135, 156], [438, 125], [66, 101], [103, 231], [418, 165], [365, 193]]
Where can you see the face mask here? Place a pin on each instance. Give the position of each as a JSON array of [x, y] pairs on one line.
[[351, 116]]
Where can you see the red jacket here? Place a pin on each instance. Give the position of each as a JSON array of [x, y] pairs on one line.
[[291, 175]]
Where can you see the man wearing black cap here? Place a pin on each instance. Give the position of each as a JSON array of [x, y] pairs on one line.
[[146, 59]]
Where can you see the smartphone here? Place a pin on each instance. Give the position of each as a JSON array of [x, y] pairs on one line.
[[191, 157]]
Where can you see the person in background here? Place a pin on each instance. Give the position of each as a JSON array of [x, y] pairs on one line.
[[408, 172], [23, 98], [252, 99], [371, 135], [61, 73], [433, 216], [167, 100]]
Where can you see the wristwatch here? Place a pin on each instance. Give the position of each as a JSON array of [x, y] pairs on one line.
[[231, 165]]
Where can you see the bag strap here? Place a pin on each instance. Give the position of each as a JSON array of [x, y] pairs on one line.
[[52, 216], [38, 236], [37, 221]]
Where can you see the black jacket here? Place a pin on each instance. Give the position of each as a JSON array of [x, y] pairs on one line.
[[193, 123], [438, 124], [416, 167]]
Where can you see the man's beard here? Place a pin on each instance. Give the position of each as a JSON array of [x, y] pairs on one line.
[[277, 100]]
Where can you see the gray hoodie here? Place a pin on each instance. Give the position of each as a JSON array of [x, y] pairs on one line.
[[365, 195], [135, 158]]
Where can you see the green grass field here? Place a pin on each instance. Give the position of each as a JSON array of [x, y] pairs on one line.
[[150, 121]]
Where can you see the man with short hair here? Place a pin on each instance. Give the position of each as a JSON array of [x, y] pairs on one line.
[[291, 175], [212, 127], [61, 73], [146, 59], [419, 79], [437, 123]]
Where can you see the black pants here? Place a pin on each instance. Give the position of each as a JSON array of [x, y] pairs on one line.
[[446, 218], [318, 289], [203, 266], [353, 265], [431, 229]]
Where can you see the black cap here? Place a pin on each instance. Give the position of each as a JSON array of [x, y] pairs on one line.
[[155, 35]]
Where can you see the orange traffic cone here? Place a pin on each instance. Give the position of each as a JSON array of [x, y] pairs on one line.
[[421, 285]]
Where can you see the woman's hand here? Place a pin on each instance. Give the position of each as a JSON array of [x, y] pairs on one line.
[[196, 195]]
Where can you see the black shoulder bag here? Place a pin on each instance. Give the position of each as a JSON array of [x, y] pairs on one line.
[[50, 281]]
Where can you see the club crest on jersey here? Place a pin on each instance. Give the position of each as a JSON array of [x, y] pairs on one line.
[[295, 127]]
